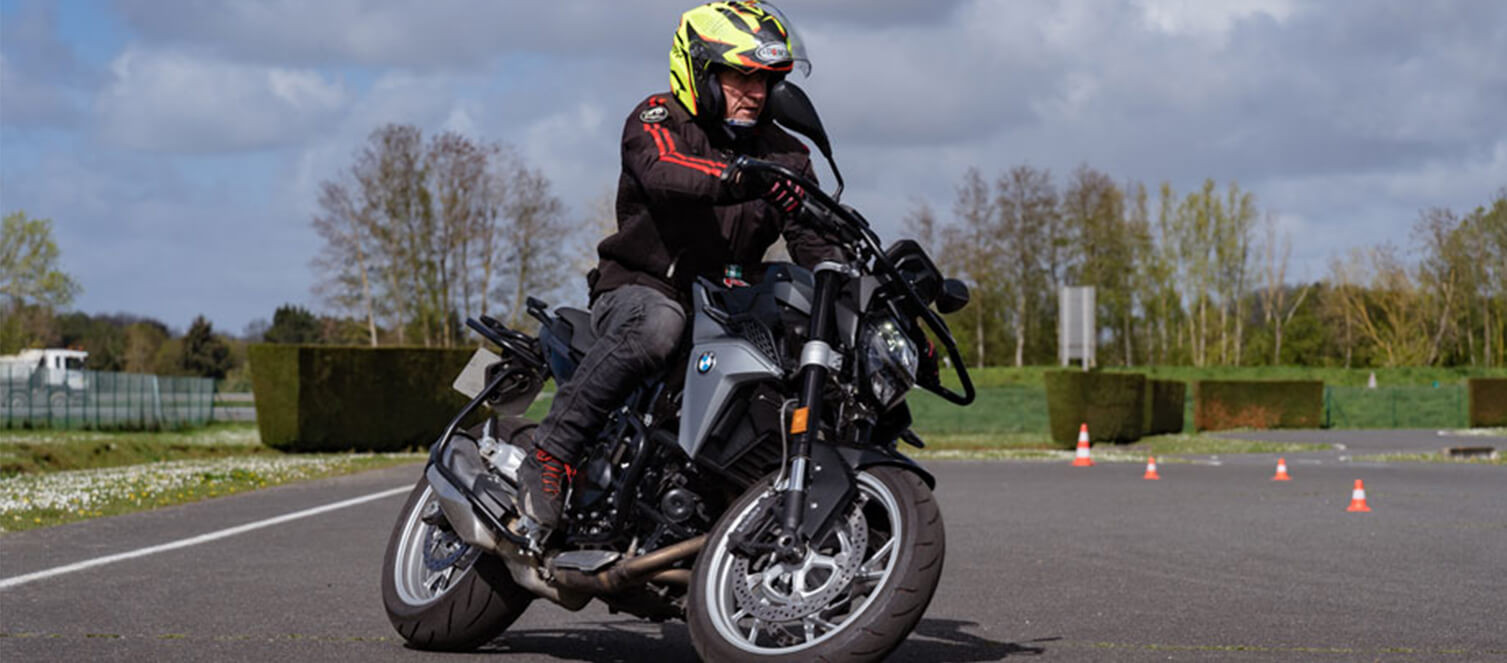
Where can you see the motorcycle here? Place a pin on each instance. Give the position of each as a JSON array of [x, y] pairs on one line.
[[756, 491]]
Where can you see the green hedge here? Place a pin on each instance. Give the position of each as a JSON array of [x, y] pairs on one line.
[[1163, 411], [1111, 404], [1488, 402], [324, 398], [1220, 405]]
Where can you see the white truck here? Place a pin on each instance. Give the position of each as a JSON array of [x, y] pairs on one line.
[[38, 377]]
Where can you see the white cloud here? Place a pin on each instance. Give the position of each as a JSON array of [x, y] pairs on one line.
[[175, 102], [1343, 117], [1208, 18]]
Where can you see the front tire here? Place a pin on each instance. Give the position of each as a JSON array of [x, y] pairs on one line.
[[440, 593], [833, 606]]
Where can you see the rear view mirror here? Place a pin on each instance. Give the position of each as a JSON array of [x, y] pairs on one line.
[[792, 109], [790, 106], [954, 296]]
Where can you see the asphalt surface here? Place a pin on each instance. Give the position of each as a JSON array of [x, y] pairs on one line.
[[1214, 562]]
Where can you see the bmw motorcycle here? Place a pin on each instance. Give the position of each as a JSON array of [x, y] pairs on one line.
[[756, 491]]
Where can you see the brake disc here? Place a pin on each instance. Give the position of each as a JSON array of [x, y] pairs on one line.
[[443, 549], [783, 592]]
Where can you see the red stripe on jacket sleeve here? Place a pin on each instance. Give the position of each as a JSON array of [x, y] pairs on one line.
[[669, 142], [665, 143]]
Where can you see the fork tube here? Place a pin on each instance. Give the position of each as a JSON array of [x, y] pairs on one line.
[[814, 369]]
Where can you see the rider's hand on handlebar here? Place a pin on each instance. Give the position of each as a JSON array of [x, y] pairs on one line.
[[748, 184], [785, 195]]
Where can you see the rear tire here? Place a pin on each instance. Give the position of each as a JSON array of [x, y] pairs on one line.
[[455, 608], [862, 620]]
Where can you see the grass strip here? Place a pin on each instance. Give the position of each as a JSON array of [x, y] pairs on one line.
[[31, 501], [1430, 458], [995, 376], [1194, 444], [1158, 445], [43, 451]]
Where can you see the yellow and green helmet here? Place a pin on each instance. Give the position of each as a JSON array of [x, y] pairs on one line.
[[746, 35]]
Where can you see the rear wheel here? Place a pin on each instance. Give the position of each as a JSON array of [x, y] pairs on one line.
[[854, 597], [440, 592]]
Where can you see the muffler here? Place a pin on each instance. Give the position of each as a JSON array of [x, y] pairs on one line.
[[475, 502]]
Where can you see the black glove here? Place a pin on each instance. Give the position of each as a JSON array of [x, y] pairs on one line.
[[743, 186]]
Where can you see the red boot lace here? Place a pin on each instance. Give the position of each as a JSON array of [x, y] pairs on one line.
[[552, 471]]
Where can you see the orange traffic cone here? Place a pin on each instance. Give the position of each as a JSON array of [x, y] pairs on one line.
[[1281, 471], [1358, 498], [1083, 459], [1151, 469]]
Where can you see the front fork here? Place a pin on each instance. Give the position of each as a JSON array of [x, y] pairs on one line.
[[833, 481]]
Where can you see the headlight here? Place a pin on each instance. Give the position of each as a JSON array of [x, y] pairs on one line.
[[889, 362]]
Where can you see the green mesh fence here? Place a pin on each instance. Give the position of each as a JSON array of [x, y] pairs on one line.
[[1423, 406], [52, 398], [997, 410]]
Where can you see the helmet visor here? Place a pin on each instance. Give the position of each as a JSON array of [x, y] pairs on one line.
[[795, 46]]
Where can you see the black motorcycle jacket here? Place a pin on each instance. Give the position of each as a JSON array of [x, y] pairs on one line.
[[677, 218]]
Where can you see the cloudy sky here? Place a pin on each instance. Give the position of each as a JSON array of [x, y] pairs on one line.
[[177, 145]]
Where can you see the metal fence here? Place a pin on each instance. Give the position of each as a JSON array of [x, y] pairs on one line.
[[1442, 406], [52, 398]]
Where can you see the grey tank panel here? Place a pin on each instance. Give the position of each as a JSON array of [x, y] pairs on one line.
[[737, 362]]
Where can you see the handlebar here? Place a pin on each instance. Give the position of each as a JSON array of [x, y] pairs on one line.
[[853, 228]]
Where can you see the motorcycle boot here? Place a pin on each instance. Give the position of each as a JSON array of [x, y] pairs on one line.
[[542, 480]]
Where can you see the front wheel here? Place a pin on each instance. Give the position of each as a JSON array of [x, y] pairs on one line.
[[441, 593], [854, 597]]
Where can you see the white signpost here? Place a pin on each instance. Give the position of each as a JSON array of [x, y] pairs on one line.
[[1076, 325]]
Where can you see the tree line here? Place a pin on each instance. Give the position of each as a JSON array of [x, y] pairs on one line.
[[420, 234], [33, 287], [1202, 278]]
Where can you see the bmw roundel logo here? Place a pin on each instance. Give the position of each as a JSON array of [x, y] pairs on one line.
[[705, 362]]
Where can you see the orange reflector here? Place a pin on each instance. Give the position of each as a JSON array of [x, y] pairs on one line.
[[798, 422]]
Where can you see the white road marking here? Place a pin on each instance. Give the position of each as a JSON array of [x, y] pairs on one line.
[[196, 540]]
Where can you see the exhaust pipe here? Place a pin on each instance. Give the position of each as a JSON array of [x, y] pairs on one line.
[[634, 571]]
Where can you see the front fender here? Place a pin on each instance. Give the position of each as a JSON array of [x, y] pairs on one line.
[[860, 458], [833, 484]]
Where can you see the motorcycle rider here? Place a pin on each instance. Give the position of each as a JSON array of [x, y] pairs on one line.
[[683, 211]]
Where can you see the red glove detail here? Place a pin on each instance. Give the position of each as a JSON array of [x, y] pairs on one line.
[[785, 195]]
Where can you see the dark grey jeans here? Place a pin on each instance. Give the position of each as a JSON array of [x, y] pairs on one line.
[[637, 330]]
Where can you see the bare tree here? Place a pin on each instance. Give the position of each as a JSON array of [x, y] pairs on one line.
[[1161, 268], [1441, 269], [1195, 225], [1378, 294], [921, 222], [1141, 255], [457, 167], [1485, 232], [533, 258], [1274, 285], [347, 232], [1027, 207], [420, 233], [974, 244], [1232, 241], [1093, 209]]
